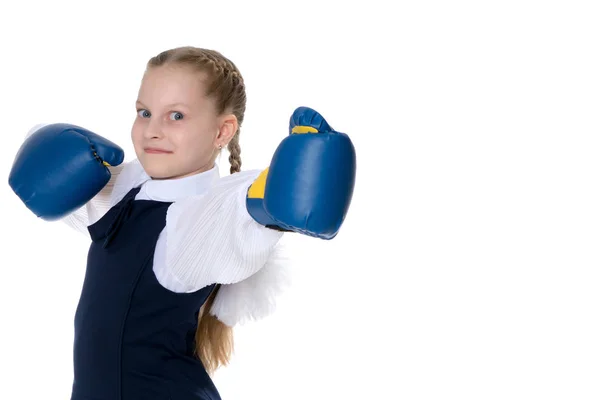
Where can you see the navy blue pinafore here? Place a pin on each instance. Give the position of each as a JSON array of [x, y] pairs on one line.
[[134, 339]]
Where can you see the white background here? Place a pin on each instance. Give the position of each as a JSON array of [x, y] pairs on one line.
[[468, 265]]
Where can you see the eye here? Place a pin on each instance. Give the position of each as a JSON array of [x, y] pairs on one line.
[[144, 113], [176, 116]]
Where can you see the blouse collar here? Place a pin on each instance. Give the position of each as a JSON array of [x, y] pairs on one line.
[[175, 189]]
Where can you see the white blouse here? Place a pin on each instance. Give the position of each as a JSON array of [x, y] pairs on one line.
[[209, 238]]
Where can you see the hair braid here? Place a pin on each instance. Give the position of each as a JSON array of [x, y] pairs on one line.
[[234, 154]]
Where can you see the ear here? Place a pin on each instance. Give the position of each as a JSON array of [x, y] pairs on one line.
[[227, 128]]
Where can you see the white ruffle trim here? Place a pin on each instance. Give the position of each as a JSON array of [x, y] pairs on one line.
[[255, 297]]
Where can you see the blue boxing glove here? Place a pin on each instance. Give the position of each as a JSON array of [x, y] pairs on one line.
[[60, 167], [309, 185]]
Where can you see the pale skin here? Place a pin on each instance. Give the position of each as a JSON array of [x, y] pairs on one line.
[[177, 131]]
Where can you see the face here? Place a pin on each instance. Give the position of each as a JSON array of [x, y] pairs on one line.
[[177, 131]]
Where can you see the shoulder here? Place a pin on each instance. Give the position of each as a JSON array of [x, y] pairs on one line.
[[237, 180], [221, 208], [227, 193]]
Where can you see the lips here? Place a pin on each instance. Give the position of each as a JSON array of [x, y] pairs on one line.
[[154, 150]]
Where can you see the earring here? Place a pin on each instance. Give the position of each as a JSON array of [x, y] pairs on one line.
[[220, 146]]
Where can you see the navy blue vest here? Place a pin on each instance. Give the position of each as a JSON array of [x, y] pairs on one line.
[[134, 339]]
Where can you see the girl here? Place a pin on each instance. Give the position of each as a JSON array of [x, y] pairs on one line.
[[192, 224], [177, 259]]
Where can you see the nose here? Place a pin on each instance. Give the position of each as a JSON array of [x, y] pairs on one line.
[[153, 129]]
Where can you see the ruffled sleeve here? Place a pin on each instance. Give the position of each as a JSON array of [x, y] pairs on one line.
[[212, 239]]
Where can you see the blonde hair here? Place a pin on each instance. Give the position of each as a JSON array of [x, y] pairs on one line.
[[224, 83]]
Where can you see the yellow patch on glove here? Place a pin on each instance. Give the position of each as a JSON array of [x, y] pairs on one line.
[[257, 189], [304, 129]]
